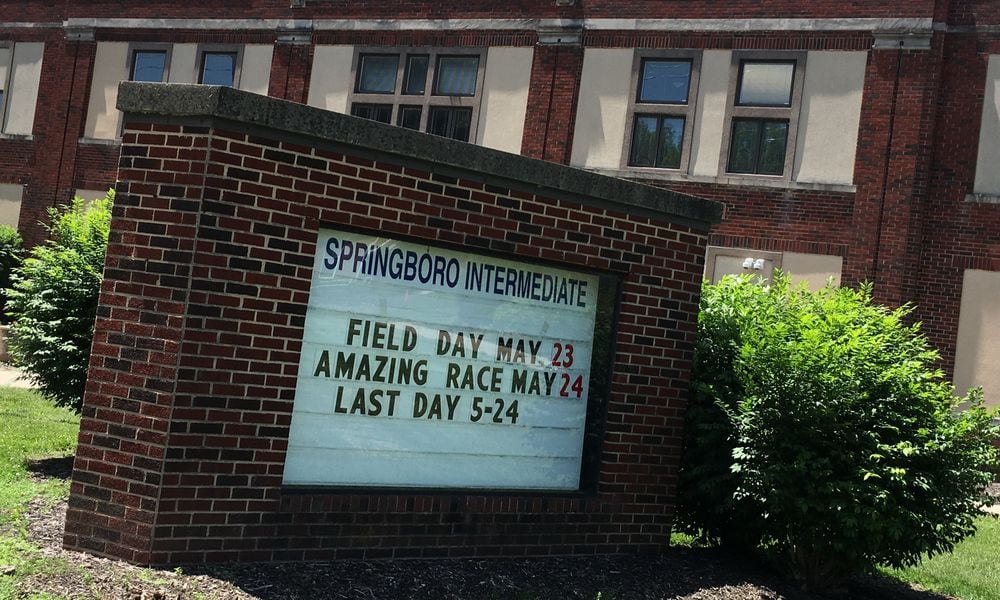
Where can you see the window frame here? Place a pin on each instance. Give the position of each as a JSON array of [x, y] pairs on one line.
[[399, 99], [685, 111], [136, 48], [736, 111], [203, 49]]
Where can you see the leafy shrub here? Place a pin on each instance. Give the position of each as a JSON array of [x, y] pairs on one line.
[[821, 435], [54, 301], [11, 255]]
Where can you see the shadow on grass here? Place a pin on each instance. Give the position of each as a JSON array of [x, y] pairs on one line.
[[53, 467]]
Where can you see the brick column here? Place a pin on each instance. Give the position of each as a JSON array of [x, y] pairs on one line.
[[119, 468], [891, 171], [60, 113], [291, 66], [552, 101]]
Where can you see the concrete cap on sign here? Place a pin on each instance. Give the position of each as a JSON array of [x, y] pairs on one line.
[[173, 102]]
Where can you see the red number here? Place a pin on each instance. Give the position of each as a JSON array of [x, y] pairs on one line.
[[576, 387], [568, 359], [559, 359]]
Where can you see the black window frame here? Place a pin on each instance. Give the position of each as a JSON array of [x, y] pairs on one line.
[[760, 145]]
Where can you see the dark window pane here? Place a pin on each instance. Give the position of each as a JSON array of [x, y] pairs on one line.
[[644, 142], [446, 121], [415, 81], [665, 81], [656, 141], [218, 68], [669, 147], [456, 76], [148, 65], [772, 148], [375, 112], [766, 83], [461, 124], [409, 117], [744, 145], [377, 74]]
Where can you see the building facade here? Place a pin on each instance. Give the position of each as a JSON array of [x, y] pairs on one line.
[[859, 141]]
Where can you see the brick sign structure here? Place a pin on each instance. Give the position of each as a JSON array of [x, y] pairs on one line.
[[321, 337]]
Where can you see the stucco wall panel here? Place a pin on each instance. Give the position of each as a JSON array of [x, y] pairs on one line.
[[505, 98], [601, 115], [26, 71], [110, 68], [10, 203], [255, 72], [710, 114], [979, 335], [988, 158], [331, 83], [829, 119], [813, 269]]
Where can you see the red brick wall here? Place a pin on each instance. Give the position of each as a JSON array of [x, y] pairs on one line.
[[552, 99], [399, 9], [194, 364], [959, 235]]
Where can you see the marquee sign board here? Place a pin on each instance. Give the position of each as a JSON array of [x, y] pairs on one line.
[[432, 368]]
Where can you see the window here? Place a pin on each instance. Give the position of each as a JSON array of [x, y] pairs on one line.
[[148, 65], [762, 114], [218, 67], [661, 110], [436, 91]]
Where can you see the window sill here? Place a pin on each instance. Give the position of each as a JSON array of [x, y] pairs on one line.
[[736, 180], [100, 141], [979, 198], [24, 137]]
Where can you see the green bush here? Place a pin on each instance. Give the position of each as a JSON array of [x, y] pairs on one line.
[[821, 434], [11, 255], [53, 301]]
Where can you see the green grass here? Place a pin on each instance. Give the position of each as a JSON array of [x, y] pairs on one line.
[[971, 572], [30, 427]]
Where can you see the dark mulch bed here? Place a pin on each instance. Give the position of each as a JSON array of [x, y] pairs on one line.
[[681, 573]]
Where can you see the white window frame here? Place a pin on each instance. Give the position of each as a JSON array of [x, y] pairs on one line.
[[687, 110], [788, 113], [427, 100]]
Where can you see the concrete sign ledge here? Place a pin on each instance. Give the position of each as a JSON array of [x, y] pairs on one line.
[[163, 102]]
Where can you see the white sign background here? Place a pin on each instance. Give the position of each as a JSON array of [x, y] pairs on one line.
[[339, 436]]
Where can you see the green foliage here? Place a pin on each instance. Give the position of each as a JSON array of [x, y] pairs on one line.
[[11, 255], [54, 297], [821, 435]]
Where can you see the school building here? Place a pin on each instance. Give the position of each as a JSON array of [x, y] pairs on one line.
[[858, 141]]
